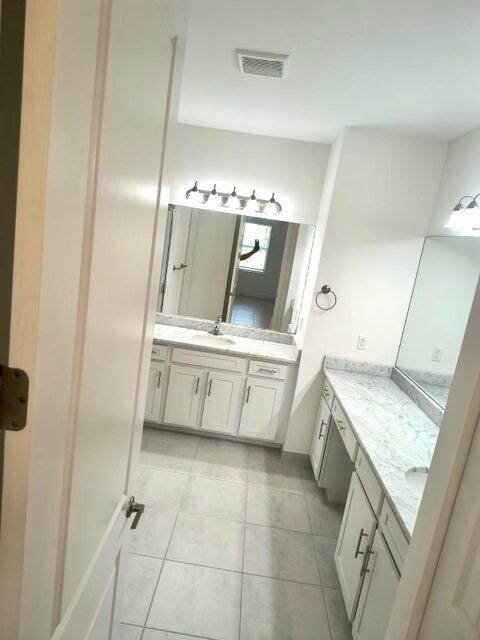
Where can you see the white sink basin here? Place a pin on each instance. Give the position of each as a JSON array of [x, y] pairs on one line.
[[213, 341], [416, 477]]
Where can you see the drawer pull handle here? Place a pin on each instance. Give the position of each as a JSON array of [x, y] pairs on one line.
[[196, 386], [365, 569], [267, 370], [321, 434], [210, 387], [359, 542], [159, 379], [247, 398]]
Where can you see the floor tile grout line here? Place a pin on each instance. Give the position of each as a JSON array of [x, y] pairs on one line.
[[179, 633], [161, 571], [319, 573]]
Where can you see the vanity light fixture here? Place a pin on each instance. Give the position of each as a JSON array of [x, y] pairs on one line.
[[465, 218], [214, 198], [272, 205], [252, 204], [217, 199], [233, 200], [195, 195]]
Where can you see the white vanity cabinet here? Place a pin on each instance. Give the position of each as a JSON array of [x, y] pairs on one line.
[[221, 401], [219, 393], [156, 381], [378, 592], [261, 408], [183, 395], [319, 438], [355, 538]]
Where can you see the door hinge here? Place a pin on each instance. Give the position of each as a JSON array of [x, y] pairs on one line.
[[13, 398]]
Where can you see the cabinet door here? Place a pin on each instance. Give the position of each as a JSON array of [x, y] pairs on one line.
[[156, 380], [378, 592], [183, 395], [261, 408], [319, 438], [221, 401], [356, 532]]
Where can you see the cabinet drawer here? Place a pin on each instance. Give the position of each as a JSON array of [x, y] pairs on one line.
[[267, 369], [345, 430], [328, 393], [369, 481], [393, 534], [159, 352], [210, 360]]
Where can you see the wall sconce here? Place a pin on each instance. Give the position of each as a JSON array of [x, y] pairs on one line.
[[465, 218], [215, 198]]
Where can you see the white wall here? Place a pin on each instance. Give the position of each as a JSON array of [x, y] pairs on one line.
[[461, 176], [441, 303], [383, 192], [294, 170]]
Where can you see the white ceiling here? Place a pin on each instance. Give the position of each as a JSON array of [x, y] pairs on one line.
[[412, 67]]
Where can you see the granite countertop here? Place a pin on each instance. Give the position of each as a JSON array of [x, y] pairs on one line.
[[393, 432], [247, 347]]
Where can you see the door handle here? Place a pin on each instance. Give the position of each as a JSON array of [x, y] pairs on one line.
[[210, 387], [182, 266], [248, 395], [359, 542], [159, 379], [196, 386], [137, 508]]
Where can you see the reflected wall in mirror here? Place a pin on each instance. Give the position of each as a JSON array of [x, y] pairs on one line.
[[441, 300], [250, 271]]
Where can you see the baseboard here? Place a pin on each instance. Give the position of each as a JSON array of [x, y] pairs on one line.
[[210, 434], [296, 458]]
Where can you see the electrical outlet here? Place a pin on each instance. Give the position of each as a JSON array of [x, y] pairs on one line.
[[437, 354], [361, 343]]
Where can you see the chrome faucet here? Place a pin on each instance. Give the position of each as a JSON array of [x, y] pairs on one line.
[[216, 327]]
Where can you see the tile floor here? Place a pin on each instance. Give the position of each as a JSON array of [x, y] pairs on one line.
[[252, 312], [234, 545]]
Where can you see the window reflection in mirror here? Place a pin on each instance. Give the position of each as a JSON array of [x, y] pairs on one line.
[[250, 271], [441, 300]]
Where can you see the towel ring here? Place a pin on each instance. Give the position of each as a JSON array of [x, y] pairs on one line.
[[325, 290]]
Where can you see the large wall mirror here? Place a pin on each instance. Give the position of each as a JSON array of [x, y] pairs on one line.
[[442, 297], [250, 271]]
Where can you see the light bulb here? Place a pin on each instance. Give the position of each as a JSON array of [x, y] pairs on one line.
[[214, 198], [233, 200], [251, 203], [271, 206], [195, 195]]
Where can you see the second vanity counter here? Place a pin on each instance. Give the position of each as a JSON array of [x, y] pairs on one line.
[[394, 434], [233, 345]]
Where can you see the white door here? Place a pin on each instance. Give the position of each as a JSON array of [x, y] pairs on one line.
[[453, 609], [261, 408], [177, 260], [354, 540], [378, 593], [156, 381], [185, 386], [319, 437], [221, 401], [86, 222]]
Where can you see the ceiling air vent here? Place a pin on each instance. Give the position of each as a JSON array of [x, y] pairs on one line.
[[256, 63]]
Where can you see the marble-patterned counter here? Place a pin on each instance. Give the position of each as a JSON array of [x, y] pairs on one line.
[[247, 347], [393, 432]]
